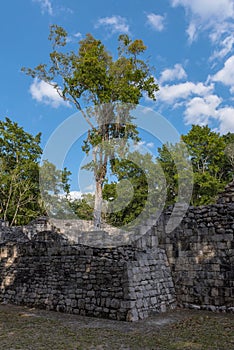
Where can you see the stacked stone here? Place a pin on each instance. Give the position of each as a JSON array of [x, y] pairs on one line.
[[228, 195], [124, 283], [83, 232], [151, 288], [12, 234], [41, 267], [201, 255], [3, 223]]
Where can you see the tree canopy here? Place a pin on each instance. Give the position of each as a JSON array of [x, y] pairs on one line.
[[212, 167], [92, 77], [21, 197], [20, 191], [19, 178]]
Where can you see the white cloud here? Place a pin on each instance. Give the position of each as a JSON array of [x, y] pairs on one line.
[[74, 37], [46, 6], [192, 32], [73, 195], [206, 9], [226, 119], [64, 10], [45, 93], [215, 16], [142, 146], [172, 93], [90, 188], [150, 145], [176, 73], [200, 103], [116, 24], [226, 46], [221, 31], [226, 74], [200, 109], [77, 35], [156, 21]]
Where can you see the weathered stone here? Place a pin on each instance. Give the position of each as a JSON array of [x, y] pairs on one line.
[[192, 265]]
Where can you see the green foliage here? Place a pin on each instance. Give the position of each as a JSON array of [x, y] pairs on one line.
[[55, 189], [127, 170], [19, 189], [174, 161], [139, 186], [212, 168], [211, 156], [93, 77], [93, 74], [167, 163], [229, 152], [83, 207]]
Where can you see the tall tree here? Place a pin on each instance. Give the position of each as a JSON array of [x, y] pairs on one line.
[[209, 153], [21, 190], [19, 187], [174, 160], [210, 163], [93, 77], [229, 152]]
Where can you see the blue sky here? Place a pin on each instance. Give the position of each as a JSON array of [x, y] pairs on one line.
[[190, 44]]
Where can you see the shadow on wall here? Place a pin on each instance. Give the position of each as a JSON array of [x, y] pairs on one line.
[[201, 254], [123, 283], [194, 262]]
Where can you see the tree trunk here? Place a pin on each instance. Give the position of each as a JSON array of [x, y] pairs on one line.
[[100, 160], [98, 205]]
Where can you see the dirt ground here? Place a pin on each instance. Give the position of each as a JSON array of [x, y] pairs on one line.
[[23, 328]]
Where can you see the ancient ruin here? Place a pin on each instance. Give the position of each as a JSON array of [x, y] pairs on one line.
[[61, 268]]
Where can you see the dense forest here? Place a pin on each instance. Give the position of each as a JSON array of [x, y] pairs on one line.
[[21, 200]]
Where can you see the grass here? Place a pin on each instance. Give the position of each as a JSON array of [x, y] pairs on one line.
[[30, 329]]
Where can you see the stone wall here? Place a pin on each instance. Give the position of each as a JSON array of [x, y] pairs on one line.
[[191, 266], [201, 255], [120, 283], [200, 252]]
